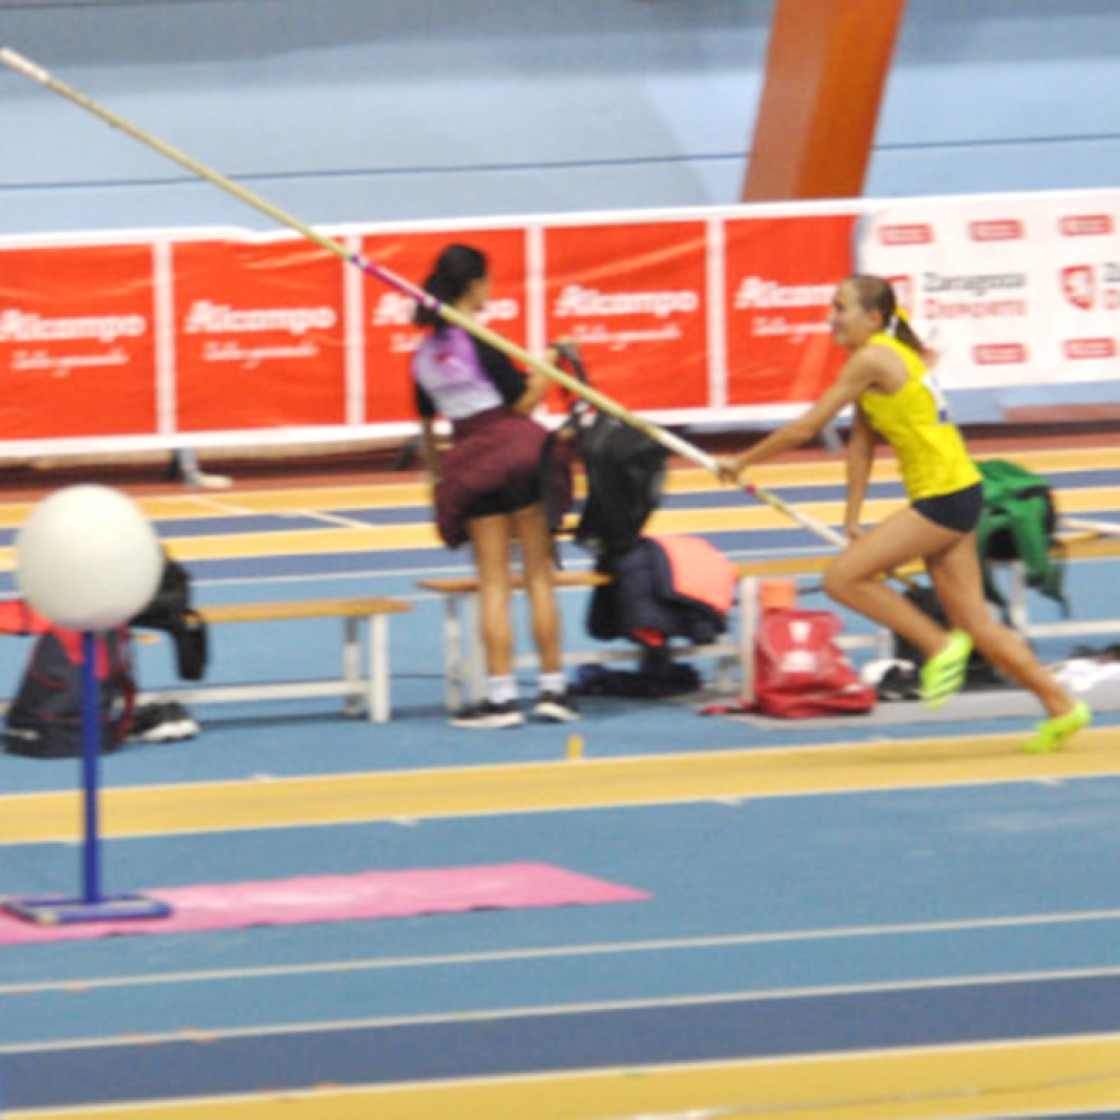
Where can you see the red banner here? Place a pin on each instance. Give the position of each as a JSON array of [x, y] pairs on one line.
[[391, 337], [635, 298], [259, 335], [781, 274], [77, 349]]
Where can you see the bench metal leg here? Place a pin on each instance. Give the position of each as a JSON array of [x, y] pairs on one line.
[[475, 662], [378, 678], [368, 684], [1018, 610], [352, 667], [464, 672], [748, 633], [453, 657]]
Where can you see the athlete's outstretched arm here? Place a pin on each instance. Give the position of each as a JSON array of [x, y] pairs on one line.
[[860, 458], [859, 373]]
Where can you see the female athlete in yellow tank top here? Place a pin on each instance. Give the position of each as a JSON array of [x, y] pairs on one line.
[[894, 395]]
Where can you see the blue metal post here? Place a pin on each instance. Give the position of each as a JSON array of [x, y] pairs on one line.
[[91, 750]]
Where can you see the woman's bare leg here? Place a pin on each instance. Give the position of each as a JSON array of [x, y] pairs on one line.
[[954, 567], [531, 526], [958, 582], [854, 578], [490, 540]]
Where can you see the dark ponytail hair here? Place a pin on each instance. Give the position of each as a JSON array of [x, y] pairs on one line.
[[876, 294], [456, 268]]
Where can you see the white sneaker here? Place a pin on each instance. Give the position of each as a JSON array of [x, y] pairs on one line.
[[555, 707], [489, 716]]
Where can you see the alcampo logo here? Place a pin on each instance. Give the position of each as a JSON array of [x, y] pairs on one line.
[[1080, 286], [395, 310], [760, 292], [576, 301], [205, 317], [26, 326]]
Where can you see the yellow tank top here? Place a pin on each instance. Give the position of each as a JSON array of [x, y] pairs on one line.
[[915, 422]]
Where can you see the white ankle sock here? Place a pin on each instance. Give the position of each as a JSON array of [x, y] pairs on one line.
[[501, 690], [552, 682]]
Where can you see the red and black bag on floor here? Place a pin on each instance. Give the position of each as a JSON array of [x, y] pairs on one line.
[[801, 672], [45, 718]]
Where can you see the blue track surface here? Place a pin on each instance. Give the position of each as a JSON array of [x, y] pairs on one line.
[[777, 927]]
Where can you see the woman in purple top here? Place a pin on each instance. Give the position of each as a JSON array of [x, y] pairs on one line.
[[492, 486]]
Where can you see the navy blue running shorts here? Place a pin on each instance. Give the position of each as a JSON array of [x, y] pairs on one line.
[[959, 511]]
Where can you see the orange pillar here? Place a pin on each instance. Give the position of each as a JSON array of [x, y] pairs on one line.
[[825, 70]]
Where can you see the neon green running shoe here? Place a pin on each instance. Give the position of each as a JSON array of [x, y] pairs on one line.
[[943, 674], [1052, 733]]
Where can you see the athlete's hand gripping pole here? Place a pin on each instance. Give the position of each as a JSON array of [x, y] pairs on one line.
[[668, 440]]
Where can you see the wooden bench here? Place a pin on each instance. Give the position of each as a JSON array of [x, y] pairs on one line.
[[464, 669], [464, 666], [364, 687]]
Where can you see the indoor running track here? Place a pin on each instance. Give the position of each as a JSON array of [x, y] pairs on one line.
[[840, 925]]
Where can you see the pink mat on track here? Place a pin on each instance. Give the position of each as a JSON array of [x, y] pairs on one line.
[[341, 898]]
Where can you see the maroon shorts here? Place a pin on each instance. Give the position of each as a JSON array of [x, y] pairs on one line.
[[499, 462]]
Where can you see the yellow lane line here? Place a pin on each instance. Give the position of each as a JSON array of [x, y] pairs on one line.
[[823, 471], [421, 535], [384, 495], [299, 542], [1054, 1076], [537, 787], [750, 516], [238, 503]]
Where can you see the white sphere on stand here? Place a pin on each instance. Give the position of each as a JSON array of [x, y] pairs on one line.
[[87, 558]]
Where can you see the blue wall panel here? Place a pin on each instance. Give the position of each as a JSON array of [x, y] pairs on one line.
[[1001, 95], [348, 110]]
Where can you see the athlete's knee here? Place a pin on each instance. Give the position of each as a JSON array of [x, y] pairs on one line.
[[838, 584]]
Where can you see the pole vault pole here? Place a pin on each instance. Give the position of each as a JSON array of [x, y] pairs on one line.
[[666, 439]]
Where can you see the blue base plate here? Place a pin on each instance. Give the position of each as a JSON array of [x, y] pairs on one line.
[[63, 911]]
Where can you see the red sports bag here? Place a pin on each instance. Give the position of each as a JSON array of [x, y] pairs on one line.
[[800, 671]]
